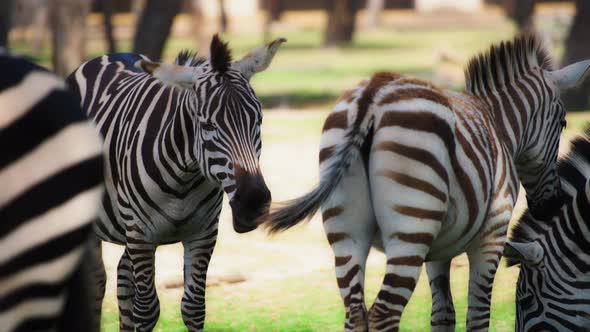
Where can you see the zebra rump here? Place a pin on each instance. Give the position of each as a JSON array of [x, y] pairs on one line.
[[51, 180]]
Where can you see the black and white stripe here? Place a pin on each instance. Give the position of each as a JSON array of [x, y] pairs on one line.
[[428, 174], [177, 136], [553, 290], [50, 187]]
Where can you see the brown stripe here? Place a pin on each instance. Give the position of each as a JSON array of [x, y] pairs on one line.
[[342, 260], [345, 281], [421, 238], [335, 237], [406, 261], [495, 227], [415, 93], [332, 212], [391, 298], [467, 144], [347, 96], [415, 183], [422, 121], [337, 120], [326, 153], [394, 280], [419, 213], [377, 81], [421, 155]]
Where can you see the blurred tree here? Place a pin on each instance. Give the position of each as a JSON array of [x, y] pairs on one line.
[[577, 47], [6, 14], [273, 13], [154, 27], [222, 16], [374, 9], [199, 28], [341, 22], [107, 12], [67, 19], [521, 11]]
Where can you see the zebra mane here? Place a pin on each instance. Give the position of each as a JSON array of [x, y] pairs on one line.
[[574, 168], [188, 58], [505, 63]]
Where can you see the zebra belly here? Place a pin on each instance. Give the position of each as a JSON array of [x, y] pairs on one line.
[[173, 221]]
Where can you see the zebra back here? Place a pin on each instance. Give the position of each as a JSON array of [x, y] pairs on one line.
[[51, 180]]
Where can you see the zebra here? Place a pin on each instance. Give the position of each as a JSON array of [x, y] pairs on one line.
[[51, 171], [428, 174], [553, 290], [177, 136]]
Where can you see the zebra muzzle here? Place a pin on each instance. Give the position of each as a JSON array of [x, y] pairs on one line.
[[250, 201]]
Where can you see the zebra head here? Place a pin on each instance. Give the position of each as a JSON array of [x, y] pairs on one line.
[[226, 122], [553, 290], [537, 164]]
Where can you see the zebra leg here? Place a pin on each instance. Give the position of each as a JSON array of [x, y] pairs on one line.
[[197, 253], [484, 256], [350, 227], [482, 270], [125, 293], [442, 318], [146, 306], [98, 275]]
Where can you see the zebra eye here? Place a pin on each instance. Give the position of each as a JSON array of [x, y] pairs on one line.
[[563, 123], [207, 126]]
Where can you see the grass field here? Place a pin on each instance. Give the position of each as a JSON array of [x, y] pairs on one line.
[[289, 282]]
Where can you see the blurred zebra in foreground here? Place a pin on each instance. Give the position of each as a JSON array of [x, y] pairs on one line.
[[50, 189], [177, 136], [430, 173], [553, 290]]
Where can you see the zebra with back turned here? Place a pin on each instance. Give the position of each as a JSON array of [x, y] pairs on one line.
[[50, 188], [430, 173], [176, 137], [553, 290]]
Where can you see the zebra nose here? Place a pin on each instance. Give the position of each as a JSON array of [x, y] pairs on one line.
[[250, 201], [252, 192]]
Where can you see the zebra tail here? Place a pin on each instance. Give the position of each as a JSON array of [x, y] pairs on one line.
[[291, 213]]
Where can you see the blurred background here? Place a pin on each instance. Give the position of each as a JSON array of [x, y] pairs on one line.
[[287, 283]]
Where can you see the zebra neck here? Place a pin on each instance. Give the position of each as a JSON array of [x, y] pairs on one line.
[[511, 116]]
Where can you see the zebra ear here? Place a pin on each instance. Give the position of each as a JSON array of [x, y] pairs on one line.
[[175, 75], [524, 252], [570, 76], [258, 59]]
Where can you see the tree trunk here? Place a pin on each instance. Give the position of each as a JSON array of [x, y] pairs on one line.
[[374, 10], [154, 27], [341, 22], [222, 16], [67, 19], [577, 48], [6, 14], [273, 14], [202, 34], [521, 11], [107, 12]]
